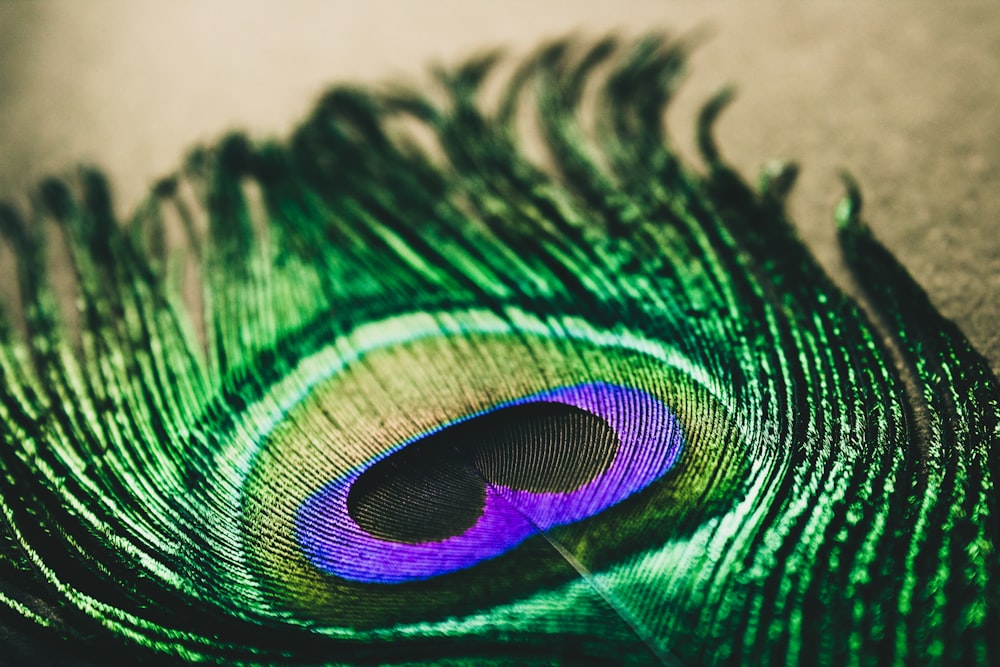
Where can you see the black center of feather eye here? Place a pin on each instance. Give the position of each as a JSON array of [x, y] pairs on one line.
[[435, 488]]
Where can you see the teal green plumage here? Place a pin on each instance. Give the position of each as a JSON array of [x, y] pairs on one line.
[[399, 266]]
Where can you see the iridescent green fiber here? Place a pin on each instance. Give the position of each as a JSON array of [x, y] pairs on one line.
[[399, 262]]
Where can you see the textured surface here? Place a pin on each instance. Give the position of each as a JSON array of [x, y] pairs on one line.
[[900, 95]]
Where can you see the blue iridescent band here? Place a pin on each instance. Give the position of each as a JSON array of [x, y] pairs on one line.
[[650, 443]]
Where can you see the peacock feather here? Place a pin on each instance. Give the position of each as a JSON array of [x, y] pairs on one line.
[[399, 392]]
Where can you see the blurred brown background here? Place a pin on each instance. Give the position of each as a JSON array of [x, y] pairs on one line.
[[904, 95]]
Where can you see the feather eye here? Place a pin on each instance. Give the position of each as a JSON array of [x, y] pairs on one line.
[[454, 483], [444, 403]]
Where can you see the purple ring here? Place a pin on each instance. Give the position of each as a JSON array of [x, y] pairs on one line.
[[650, 442]]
